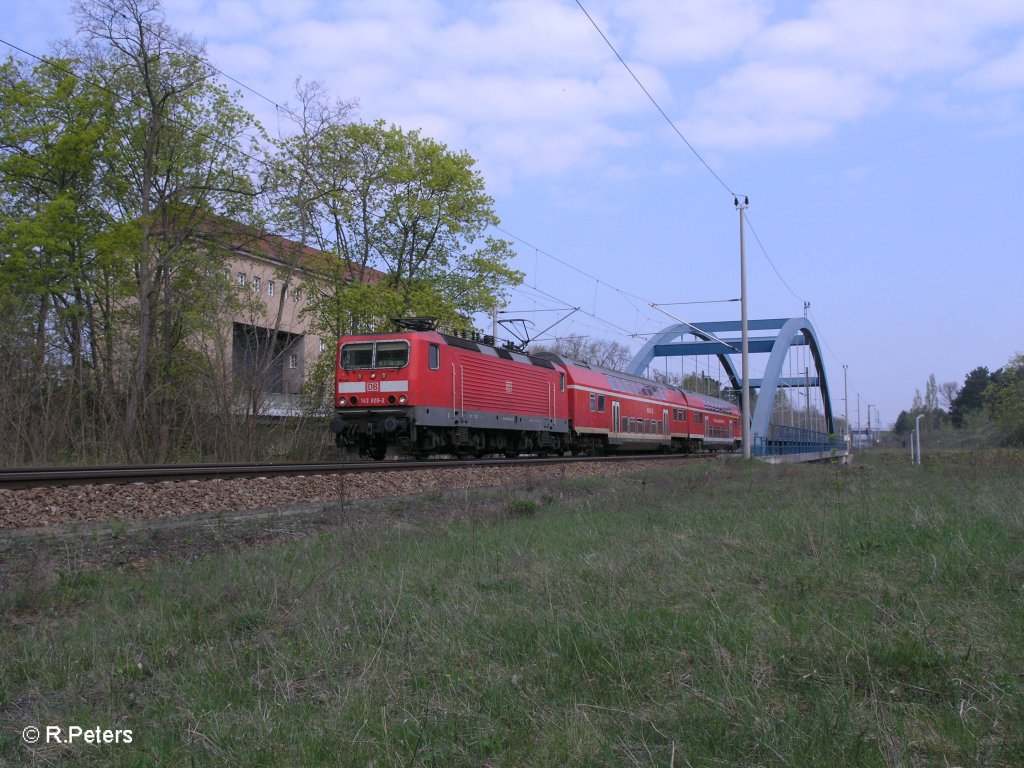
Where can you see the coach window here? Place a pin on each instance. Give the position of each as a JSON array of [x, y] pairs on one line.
[[392, 354], [625, 424], [600, 403], [632, 424], [434, 357], [593, 402]]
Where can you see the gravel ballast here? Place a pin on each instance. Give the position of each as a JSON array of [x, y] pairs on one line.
[[87, 504]]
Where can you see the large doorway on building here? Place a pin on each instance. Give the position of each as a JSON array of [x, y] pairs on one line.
[[276, 365]]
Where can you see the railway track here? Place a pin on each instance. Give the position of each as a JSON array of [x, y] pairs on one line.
[[48, 477]]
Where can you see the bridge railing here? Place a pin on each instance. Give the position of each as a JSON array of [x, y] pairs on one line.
[[782, 440]]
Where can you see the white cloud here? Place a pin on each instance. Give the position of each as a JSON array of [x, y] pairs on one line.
[[772, 104], [1003, 73], [534, 72], [841, 60], [891, 38], [685, 31]]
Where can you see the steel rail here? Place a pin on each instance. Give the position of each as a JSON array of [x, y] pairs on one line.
[[45, 477]]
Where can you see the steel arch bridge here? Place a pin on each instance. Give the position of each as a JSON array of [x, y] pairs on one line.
[[790, 332]]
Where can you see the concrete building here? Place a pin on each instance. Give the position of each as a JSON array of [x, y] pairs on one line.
[[275, 279]]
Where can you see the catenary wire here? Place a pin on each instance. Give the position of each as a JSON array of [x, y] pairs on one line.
[[775, 269], [655, 102]]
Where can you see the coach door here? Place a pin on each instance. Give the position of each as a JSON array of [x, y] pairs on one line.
[[615, 415], [664, 422]]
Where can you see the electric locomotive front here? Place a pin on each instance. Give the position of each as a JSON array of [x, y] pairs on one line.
[[377, 378]]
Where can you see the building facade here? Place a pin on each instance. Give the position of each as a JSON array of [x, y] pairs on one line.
[[272, 345]]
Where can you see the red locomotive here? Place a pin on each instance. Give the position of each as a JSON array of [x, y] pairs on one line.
[[422, 392]]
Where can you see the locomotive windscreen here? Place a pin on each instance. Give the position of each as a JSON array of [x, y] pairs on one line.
[[368, 354], [356, 356], [392, 354]]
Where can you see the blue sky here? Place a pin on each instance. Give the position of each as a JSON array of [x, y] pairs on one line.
[[881, 144]]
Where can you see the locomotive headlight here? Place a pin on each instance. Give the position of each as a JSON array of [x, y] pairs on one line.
[[402, 399]]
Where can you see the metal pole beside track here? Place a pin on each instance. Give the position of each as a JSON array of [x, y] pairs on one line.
[[745, 343], [847, 437]]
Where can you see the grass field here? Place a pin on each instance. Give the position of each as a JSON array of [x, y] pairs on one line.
[[716, 613]]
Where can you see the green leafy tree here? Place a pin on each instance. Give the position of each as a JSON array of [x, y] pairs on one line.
[[1005, 397], [904, 423], [177, 154], [406, 220], [52, 263], [933, 412], [971, 396], [399, 220]]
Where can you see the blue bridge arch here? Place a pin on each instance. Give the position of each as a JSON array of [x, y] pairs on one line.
[[795, 331]]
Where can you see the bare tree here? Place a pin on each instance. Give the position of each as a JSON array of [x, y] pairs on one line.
[[602, 352], [948, 391]]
